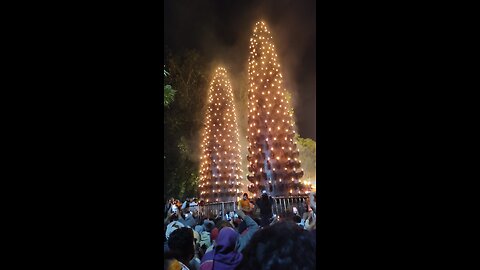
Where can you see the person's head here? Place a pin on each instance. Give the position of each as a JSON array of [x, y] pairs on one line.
[[208, 225], [174, 217], [171, 227], [217, 219], [226, 240], [225, 256], [223, 223], [245, 196], [281, 246], [297, 219], [228, 232], [181, 244], [214, 234]]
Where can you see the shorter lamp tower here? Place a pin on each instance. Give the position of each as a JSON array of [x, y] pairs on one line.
[[220, 168]]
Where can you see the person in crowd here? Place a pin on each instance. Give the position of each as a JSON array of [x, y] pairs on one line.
[[223, 256], [245, 205], [213, 238], [167, 208], [170, 217], [195, 262], [181, 246], [208, 225], [295, 211], [201, 207], [170, 263], [178, 203], [241, 226], [265, 204], [310, 222], [205, 238], [194, 205], [199, 227], [295, 217], [297, 220], [171, 227], [245, 237], [313, 201], [187, 218], [282, 246]]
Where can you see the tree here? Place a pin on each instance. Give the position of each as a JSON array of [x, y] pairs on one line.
[[308, 154], [183, 123], [220, 169], [168, 92], [274, 163]]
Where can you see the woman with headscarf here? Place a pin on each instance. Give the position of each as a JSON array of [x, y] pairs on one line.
[[223, 256]]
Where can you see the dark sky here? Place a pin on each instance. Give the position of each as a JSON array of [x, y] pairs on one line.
[[220, 30]]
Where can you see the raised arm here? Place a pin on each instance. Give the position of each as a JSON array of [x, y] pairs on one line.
[[252, 227]]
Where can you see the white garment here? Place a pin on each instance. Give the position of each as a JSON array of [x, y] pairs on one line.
[[193, 206], [195, 263], [184, 267], [172, 226], [205, 239], [211, 247]]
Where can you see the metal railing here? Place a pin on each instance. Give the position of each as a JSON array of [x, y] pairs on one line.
[[280, 206]]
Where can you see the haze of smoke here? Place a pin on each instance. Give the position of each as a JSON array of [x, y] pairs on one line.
[[291, 35]]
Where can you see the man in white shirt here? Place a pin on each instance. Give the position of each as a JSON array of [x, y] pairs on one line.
[[194, 205]]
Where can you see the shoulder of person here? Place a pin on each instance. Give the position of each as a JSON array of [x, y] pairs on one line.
[[184, 267]]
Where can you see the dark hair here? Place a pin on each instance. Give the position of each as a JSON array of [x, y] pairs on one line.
[[208, 226], [245, 194], [217, 220], [242, 226], [180, 243], [223, 223], [297, 219], [283, 246]]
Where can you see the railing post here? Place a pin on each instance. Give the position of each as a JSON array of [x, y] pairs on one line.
[[276, 206], [223, 210]]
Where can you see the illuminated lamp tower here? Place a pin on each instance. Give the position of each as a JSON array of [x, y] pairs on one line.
[[272, 153], [220, 173]]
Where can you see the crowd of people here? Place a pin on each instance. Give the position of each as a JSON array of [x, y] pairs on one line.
[[194, 240]]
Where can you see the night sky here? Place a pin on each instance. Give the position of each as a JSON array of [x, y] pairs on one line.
[[220, 30]]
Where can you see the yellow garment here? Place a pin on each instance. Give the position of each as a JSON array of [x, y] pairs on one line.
[[244, 204], [174, 265]]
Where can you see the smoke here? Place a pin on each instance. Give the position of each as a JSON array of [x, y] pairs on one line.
[[220, 30]]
